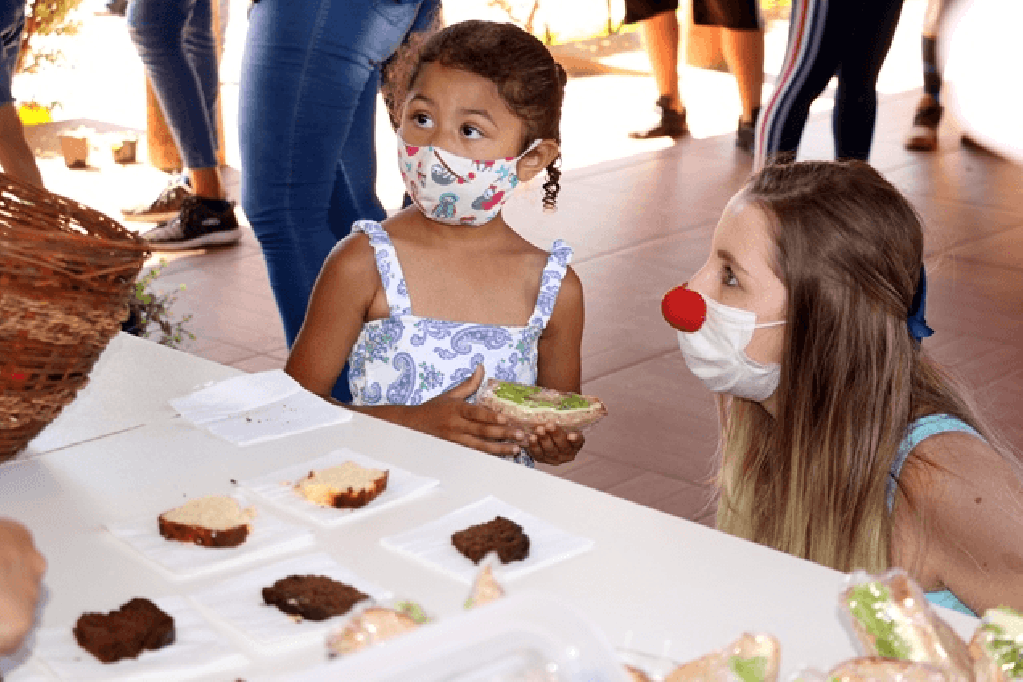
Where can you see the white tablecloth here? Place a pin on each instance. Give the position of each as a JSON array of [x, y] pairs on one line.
[[652, 582]]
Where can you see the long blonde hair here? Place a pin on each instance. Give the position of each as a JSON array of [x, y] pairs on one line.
[[812, 480]]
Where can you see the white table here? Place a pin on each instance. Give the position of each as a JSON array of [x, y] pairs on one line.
[[654, 582]]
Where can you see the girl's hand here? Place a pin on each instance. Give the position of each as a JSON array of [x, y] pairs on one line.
[[553, 445], [448, 416]]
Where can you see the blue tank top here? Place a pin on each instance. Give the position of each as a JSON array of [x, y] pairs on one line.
[[920, 430]]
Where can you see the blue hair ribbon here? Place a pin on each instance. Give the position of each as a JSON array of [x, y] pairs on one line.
[[918, 328]]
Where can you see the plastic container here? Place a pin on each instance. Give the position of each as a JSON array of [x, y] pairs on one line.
[[526, 636]]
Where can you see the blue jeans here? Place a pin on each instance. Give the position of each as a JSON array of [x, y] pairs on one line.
[[174, 38], [12, 25], [306, 116]]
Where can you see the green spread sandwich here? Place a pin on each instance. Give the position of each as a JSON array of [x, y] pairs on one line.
[[538, 406]]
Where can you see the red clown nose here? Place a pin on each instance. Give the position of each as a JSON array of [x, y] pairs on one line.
[[684, 309]]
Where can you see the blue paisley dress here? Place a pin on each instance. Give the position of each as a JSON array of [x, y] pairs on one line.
[[407, 360]]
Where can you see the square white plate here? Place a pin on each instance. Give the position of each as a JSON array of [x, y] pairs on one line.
[[268, 537], [254, 408], [197, 650], [239, 601], [277, 487], [431, 543]]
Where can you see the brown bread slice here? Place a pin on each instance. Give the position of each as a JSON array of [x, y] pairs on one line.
[[313, 597], [346, 486], [138, 625], [499, 535], [212, 521]]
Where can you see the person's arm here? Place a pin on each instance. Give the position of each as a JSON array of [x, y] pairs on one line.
[[21, 571], [340, 302], [16, 157], [970, 519], [559, 366]]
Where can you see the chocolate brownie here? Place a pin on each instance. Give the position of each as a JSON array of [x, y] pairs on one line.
[[314, 597], [500, 535], [137, 625]]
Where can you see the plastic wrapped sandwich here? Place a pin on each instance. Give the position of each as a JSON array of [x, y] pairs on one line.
[[890, 617]]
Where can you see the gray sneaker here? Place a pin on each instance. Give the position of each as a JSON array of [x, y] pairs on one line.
[[201, 222], [165, 206]]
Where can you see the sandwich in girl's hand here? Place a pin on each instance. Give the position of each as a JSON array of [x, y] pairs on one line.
[[532, 406]]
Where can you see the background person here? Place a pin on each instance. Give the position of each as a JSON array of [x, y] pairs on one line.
[[742, 43]]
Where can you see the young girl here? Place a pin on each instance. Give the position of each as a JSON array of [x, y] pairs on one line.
[[445, 292], [842, 441]]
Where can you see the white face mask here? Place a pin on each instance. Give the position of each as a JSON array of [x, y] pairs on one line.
[[454, 190], [716, 353]]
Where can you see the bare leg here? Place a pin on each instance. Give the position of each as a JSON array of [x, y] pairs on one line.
[[16, 157], [206, 183], [661, 38], [744, 52]]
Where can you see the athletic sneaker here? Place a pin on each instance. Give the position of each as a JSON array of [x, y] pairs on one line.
[[923, 136], [165, 206], [745, 133], [673, 123], [201, 222]]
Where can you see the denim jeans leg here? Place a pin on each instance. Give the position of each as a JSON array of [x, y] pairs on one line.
[[157, 28], [308, 90], [355, 196], [12, 26], [201, 53]]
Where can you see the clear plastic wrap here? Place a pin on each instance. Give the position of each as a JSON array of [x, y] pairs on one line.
[[886, 669], [997, 646], [750, 658], [485, 587], [889, 616], [370, 625]]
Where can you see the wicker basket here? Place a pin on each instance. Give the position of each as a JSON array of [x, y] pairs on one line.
[[66, 272]]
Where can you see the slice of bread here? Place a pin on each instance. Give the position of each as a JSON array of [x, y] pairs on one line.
[[136, 626], [313, 597], [212, 521], [533, 406], [346, 486], [500, 535]]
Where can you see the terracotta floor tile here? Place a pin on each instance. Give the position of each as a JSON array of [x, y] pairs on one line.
[[602, 473], [648, 488], [258, 363], [692, 502]]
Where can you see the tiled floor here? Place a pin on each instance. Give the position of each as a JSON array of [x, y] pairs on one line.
[[640, 217]]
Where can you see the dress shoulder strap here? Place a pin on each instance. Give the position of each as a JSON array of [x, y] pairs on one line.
[[917, 432], [391, 276], [550, 282]]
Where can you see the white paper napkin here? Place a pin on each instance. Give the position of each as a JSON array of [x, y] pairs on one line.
[[431, 543], [197, 650], [277, 487], [239, 601], [269, 536], [254, 408]]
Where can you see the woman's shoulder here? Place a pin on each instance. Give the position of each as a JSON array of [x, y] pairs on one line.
[[950, 457]]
